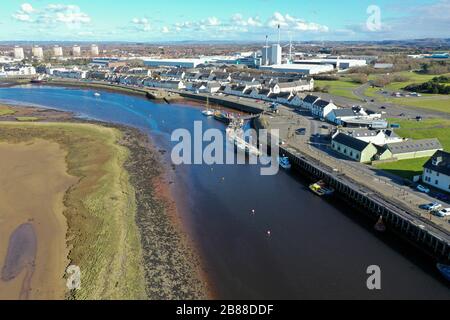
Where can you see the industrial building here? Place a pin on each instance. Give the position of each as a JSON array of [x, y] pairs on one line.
[[307, 69], [18, 53], [271, 55], [337, 63], [180, 63]]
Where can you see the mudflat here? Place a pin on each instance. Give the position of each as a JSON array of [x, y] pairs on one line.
[[33, 250]]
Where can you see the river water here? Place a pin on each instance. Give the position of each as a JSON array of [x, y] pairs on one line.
[[317, 249]]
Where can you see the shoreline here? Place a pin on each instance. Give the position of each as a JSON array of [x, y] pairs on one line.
[[148, 177]]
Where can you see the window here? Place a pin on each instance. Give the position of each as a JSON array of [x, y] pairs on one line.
[[436, 182]]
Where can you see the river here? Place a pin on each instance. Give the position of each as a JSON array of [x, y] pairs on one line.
[[317, 249]]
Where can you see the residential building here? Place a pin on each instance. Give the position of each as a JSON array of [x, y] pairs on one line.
[[18, 53], [37, 52], [321, 108], [436, 171], [412, 149], [308, 102], [353, 148], [293, 86], [376, 137], [94, 50], [57, 51]]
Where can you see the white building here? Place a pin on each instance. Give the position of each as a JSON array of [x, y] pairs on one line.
[[76, 51], [18, 53], [376, 137], [17, 71], [57, 51], [307, 69], [181, 63], [338, 63], [271, 55], [321, 108], [293, 86], [94, 50], [165, 84], [73, 73], [37, 52], [437, 171]]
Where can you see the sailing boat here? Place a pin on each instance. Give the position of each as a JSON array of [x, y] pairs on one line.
[[380, 226], [208, 112]]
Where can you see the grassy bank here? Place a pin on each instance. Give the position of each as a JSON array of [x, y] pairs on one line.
[[342, 88], [103, 237], [427, 129], [6, 111]]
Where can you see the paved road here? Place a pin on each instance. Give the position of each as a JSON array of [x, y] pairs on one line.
[[316, 144]]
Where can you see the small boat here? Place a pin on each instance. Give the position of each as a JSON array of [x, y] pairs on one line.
[[445, 270], [284, 163], [97, 94], [321, 189], [380, 226], [208, 113]]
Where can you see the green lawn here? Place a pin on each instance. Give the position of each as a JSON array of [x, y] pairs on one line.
[[406, 169], [342, 88], [431, 128]]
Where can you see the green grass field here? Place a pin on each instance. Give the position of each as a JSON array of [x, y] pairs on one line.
[[434, 102], [342, 88], [430, 128]]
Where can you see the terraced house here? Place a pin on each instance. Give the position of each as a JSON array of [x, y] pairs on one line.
[[436, 171]]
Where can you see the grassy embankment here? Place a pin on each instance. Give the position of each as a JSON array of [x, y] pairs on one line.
[[103, 237], [6, 111], [430, 128], [434, 102], [342, 88]]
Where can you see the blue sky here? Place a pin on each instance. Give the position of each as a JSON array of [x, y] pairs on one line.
[[144, 20]]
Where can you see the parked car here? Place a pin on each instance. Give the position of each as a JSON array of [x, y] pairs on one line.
[[434, 206], [419, 118], [423, 189], [444, 212], [300, 132], [442, 197]]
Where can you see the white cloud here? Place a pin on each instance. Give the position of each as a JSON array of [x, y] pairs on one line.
[[21, 16], [294, 24], [53, 14], [239, 20], [213, 21], [27, 8], [141, 24], [165, 30]]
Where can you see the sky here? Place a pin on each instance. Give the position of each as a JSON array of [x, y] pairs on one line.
[[232, 20]]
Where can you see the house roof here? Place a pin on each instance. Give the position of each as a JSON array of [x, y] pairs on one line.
[[284, 95], [321, 103], [310, 99], [440, 162], [351, 142], [414, 146], [347, 112]]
